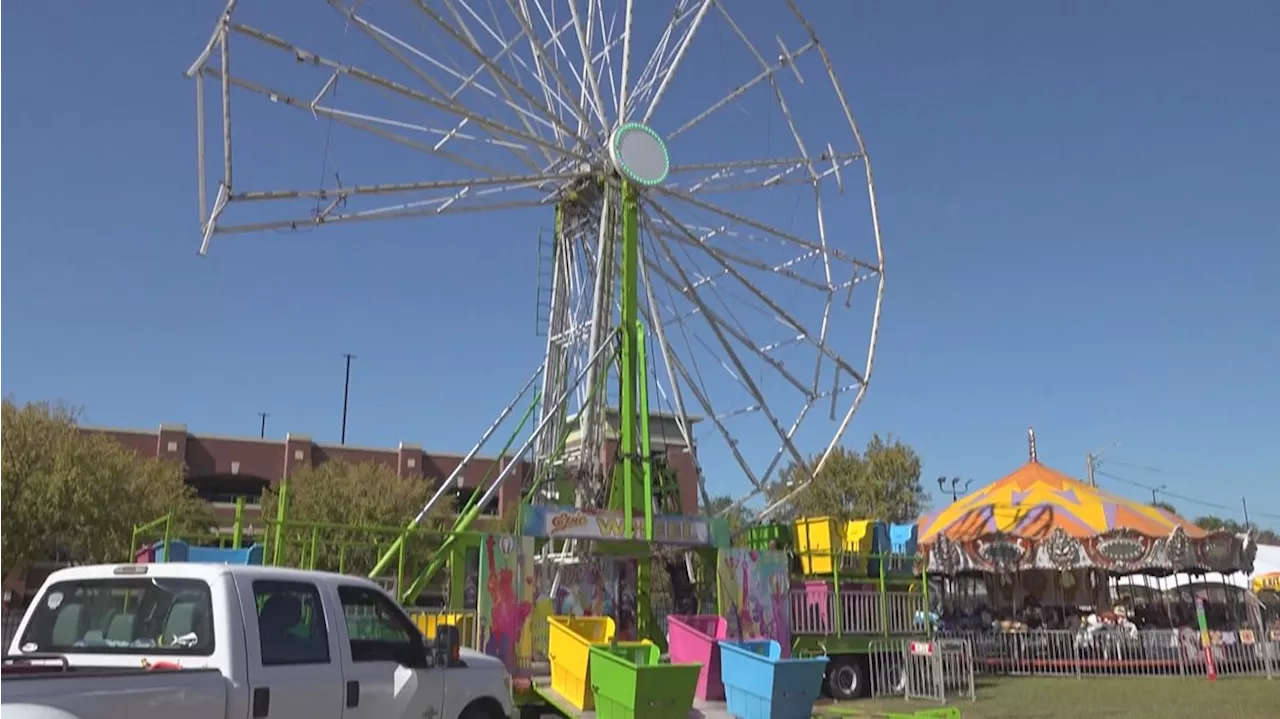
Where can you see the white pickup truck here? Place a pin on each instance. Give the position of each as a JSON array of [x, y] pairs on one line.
[[208, 641]]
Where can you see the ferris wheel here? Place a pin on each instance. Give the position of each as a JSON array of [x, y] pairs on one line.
[[695, 177]]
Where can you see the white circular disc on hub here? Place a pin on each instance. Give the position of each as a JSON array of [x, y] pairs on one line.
[[639, 154]]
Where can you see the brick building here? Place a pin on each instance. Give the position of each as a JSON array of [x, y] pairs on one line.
[[222, 468]]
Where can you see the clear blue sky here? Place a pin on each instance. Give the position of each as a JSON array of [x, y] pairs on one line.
[[1080, 202]]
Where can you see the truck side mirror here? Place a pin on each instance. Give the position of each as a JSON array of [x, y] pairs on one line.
[[448, 644]]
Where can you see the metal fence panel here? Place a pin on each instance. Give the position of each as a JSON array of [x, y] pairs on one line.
[[886, 668], [921, 669], [1123, 651]]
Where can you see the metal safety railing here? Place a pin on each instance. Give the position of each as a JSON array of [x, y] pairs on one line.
[[1124, 651], [821, 610]]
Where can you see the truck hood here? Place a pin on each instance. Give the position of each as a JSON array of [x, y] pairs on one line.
[[477, 660]]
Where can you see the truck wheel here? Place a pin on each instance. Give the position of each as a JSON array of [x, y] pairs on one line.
[[482, 710], [897, 679], [847, 678]]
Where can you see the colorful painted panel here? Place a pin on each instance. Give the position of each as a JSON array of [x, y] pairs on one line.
[[754, 590], [506, 604], [592, 587]]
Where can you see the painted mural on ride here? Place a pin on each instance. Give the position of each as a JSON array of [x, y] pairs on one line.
[[517, 597], [754, 588], [504, 608]]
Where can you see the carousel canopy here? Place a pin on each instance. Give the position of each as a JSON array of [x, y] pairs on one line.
[[1039, 518], [1035, 500]]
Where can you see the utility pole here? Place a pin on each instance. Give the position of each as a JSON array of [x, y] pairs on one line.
[[346, 395], [262, 429], [1091, 462], [1245, 506]]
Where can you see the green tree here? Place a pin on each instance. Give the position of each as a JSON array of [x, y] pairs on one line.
[[1164, 506], [723, 504], [883, 482], [112, 489], [351, 513], [76, 496], [1217, 524]]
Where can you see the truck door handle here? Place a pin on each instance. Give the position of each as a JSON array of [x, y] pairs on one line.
[[353, 694], [261, 702]]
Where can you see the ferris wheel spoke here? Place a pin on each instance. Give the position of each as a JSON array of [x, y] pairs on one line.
[[367, 124], [544, 65], [719, 330], [692, 292], [591, 87], [717, 420], [670, 72], [781, 270], [396, 48], [738, 92], [551, 96], [561, 53], [628, 18], [364, 76], [685, 197], [507, 51], [493, 185], [497, 72], [698, 390], [773, 83], [709, 280], [771, 303], [644, 84], [659, 331], [787, 175], [396, 212]]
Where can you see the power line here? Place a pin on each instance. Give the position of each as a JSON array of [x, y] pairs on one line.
[[1158, 470], [1181, 497]]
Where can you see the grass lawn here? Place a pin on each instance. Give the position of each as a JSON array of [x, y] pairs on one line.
[[1112, 698]]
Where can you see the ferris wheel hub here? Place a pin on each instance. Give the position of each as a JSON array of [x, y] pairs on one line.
[[639, 154]]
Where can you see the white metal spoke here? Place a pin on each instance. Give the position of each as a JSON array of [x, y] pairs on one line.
[[772, 304], [396, 48]]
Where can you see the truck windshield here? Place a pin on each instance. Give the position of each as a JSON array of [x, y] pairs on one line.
[[123, 615]]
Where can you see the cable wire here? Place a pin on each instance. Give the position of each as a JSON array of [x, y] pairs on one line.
[[1182, 497]]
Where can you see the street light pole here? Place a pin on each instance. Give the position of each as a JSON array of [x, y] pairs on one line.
[[955, 491], [346, 395], [262, 428]]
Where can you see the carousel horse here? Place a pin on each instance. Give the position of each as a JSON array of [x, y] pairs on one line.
[[1009, 626], [929, 619], [1113, 626]]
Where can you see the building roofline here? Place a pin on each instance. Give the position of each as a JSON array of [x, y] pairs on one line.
[[281, 442]]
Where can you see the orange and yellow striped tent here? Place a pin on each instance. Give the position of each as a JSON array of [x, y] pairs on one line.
[[1034, 500]]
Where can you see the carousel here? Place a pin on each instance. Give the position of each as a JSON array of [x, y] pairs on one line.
[[1040, 552]]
